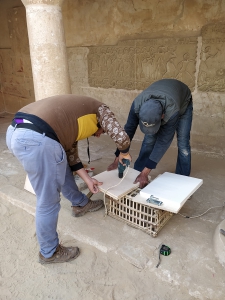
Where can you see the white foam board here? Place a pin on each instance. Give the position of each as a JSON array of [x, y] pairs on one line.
[[110, 179], [172, 189], [79, 181], [28, 186]]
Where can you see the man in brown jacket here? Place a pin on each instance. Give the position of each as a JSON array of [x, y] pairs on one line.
[[44, 136]]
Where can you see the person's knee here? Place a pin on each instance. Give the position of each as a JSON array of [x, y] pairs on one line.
[[185, 152], [183, 144], [44, 208], [184, 148]]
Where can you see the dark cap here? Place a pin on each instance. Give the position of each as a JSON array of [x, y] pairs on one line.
[[150, 116]]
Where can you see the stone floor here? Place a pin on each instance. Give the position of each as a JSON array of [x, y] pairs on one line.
[[198, 252]]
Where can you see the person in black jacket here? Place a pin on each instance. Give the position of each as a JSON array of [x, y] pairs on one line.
[[162, 109]]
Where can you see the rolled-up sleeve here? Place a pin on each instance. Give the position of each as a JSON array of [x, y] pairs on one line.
[[112, 127], [131, 126]]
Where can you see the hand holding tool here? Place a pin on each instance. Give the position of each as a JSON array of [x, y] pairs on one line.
[[122, 167]]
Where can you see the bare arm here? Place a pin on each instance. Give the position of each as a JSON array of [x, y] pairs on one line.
[[91, 182]]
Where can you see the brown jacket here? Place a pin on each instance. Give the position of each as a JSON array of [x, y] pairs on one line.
[[74, 118]]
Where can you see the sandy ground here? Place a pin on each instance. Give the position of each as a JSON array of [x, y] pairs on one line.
[[92, 276]]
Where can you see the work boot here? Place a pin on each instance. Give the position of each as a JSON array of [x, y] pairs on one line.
[[62, 254], [78, 211]]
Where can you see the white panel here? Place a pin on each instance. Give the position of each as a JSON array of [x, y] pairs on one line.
[[28, 186], [110, 178], [172, 189]]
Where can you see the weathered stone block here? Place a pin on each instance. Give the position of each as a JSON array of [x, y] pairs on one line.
[[12, 103], [14, 85], [112, 67], [2, 103], [165, 58], [18, 30], [6, 67], [212, 66], [78, 66]]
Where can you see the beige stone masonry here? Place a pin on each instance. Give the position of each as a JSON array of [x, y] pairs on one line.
[[15, 65], [212, 67], [47, 48]]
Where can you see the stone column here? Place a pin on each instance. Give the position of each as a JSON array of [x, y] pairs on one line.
[[47, 51], [47, 48]]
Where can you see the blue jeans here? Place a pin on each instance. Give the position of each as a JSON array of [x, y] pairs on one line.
[[46, 165], [183, 129]]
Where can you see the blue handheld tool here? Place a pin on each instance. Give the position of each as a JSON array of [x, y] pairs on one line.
[[121, 168]]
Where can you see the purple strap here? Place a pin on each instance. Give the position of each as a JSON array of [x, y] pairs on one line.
[[18, 121]]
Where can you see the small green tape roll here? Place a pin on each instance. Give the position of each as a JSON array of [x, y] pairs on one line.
[[165, 250]]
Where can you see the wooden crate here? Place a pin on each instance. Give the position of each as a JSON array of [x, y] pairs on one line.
[[148, 219]]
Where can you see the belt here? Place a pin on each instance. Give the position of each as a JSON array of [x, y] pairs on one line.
[[34, 128]]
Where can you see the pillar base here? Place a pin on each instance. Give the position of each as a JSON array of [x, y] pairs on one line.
[[219, 243]]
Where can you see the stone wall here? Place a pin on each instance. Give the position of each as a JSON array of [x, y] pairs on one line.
[[116, 74], [16, 83], [118, 48]]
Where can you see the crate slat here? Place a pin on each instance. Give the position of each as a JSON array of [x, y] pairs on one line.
[[148, 219]]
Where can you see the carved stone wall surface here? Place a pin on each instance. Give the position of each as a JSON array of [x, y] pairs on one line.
[[136, 64], [165, 58], [15, 65], [112, 67], [78, 67], [212, 63]]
